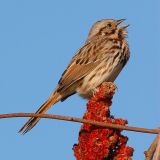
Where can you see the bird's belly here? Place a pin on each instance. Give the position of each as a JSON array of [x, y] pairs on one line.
[[97, 77]]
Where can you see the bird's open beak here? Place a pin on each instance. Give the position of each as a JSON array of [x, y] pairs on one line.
[[123, 27], [120, 21]]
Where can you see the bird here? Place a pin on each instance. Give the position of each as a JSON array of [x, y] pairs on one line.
[[102, 57]]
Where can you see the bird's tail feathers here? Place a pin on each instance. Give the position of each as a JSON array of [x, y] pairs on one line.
[[55, 97]]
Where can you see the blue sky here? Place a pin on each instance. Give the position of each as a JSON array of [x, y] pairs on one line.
[[38, 39]]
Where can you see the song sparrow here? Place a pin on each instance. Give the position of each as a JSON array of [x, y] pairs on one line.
[[101, 59]]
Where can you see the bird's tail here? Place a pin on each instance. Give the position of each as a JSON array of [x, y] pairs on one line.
[[55, 97]]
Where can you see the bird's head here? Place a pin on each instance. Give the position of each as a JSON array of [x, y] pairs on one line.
[[107, 27]]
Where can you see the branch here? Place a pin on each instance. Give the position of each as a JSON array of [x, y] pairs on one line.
[[157, 152], [151, 150], [73, 119]]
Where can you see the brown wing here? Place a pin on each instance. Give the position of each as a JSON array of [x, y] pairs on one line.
[[82, 64]]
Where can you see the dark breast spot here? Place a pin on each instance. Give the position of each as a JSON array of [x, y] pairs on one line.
[[100, 48], [115, 47], [94, 53], [94, 47], [115, 57], [77, 61], [92, 77], [89, 49], [86, 61], [95, 58], [82, 61]]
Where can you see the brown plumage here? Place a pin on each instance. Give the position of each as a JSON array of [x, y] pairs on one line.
[[101, 59]]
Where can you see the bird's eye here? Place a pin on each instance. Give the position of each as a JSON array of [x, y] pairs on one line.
[[109, 25]]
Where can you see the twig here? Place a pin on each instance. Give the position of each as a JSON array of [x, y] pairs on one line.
[[67, 118], [151, 150], [157, 153]]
